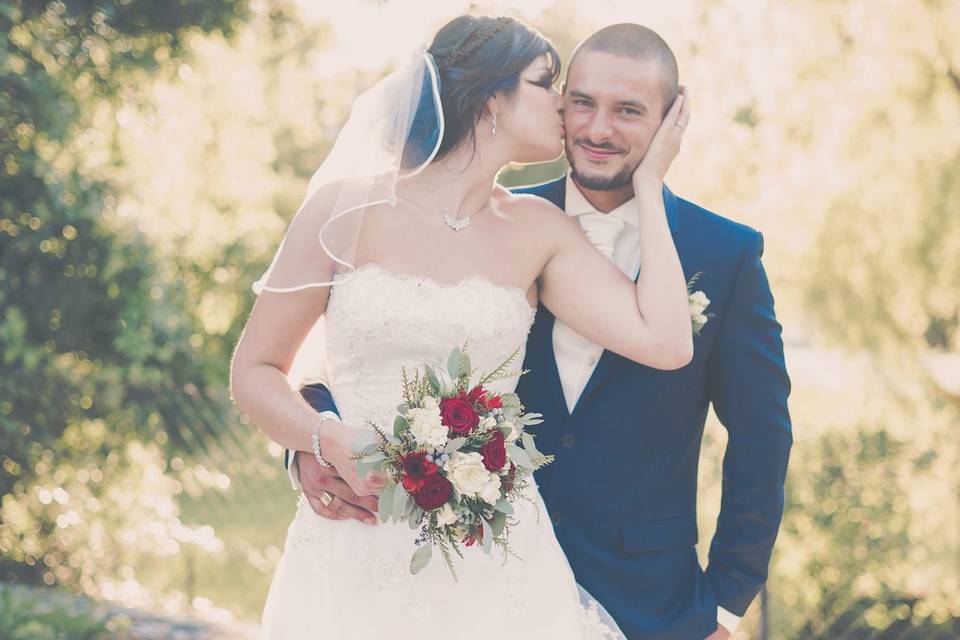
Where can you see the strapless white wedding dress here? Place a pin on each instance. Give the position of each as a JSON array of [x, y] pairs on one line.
[[344, 579]]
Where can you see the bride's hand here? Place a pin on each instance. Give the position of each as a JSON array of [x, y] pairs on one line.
[[665, 144], [337, 444]]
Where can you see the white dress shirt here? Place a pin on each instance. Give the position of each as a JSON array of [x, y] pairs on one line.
[[616, 235]]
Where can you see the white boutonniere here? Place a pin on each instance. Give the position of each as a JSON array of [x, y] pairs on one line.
[[698, 305]]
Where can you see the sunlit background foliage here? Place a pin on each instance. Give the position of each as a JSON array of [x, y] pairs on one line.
[[151, 155]]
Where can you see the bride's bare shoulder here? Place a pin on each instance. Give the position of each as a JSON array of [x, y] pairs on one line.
[[534, 212]]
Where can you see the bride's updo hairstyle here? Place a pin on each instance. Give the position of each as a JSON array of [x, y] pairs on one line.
[[477, 57]]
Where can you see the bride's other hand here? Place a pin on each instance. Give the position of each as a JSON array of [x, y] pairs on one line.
[[665, 145], [337, 446]]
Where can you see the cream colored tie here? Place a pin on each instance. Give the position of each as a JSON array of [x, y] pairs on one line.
[[602, 230]]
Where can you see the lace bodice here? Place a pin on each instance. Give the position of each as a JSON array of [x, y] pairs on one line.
[[379, 322]]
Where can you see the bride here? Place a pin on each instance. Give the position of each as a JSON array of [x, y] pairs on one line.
[[408, 247]]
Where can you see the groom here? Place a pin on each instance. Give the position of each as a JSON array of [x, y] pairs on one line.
[[622, 491]]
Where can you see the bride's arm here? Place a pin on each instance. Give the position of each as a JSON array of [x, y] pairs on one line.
[[274, 332], [648, 322], [276, 328]]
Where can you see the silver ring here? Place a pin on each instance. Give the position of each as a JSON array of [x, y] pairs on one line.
[[326, 499], [682, 126]]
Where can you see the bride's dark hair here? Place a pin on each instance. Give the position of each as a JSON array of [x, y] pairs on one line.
[[477, 57]]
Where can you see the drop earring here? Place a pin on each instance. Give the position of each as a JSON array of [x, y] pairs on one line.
[[493, 129]]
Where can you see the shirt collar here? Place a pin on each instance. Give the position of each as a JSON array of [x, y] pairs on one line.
[[577, 205]]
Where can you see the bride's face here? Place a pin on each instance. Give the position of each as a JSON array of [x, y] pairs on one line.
[[530, 118]]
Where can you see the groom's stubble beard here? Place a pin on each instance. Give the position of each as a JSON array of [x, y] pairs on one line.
[[617, 181]]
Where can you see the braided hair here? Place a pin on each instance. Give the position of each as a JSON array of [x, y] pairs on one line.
[[477, 57]]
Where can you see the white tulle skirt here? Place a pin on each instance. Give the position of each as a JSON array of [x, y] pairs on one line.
[[344, 579]]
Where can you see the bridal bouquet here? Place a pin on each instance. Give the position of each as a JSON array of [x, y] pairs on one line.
[[456, 461]]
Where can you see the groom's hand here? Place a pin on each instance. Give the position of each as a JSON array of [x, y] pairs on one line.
[[720, 634], [319, 483]]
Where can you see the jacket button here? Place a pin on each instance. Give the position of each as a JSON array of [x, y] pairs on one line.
[[568, 440]]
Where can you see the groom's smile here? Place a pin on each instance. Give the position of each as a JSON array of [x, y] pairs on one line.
[[599, 153]]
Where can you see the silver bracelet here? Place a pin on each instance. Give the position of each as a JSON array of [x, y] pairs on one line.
[[315, 442]]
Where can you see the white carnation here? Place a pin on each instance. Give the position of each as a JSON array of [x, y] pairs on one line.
[[698, 302], [426, 425], [491, 491], [486, 424], [446, 515], [468, 475]]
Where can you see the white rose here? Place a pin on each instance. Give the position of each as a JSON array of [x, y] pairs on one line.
[[698, 302], [491, 491], [426, 425], [446, 515], [699, 320], [513, 433], [467, 473]]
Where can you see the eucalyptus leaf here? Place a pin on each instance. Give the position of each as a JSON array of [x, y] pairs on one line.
[[370, 463], [363, 440], [421, 558], [487, 535], [433, 380], [453, 363], [400, 501], [499, 523], [399, 426], [384, 506], [504, 506], [519, 456], [369, 450], [415, 515], [454, 445]]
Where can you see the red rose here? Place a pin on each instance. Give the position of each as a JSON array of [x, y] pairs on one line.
[[433, 493], [416, 468], [458, 414], [494, 452]]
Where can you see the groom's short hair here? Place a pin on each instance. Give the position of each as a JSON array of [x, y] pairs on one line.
[[636, 41]]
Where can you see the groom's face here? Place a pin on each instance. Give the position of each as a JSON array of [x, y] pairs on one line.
[[612, 107]]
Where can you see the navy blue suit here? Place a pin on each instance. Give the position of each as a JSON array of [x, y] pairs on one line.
[[622, 491]]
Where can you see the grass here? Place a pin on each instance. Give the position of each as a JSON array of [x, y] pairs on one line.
[[33, 614]]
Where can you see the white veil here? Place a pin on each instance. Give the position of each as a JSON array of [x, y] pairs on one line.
[[393, 132]]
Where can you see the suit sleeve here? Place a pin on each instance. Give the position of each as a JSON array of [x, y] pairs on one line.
[[318, 397], [749, 388]]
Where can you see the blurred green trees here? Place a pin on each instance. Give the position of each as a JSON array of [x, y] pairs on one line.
[[91, 329], [151, 154]]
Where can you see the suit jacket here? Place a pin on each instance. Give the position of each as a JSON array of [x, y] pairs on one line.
[[622, 493]]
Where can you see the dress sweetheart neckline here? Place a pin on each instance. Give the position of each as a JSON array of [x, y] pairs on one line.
[[373, 266]]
